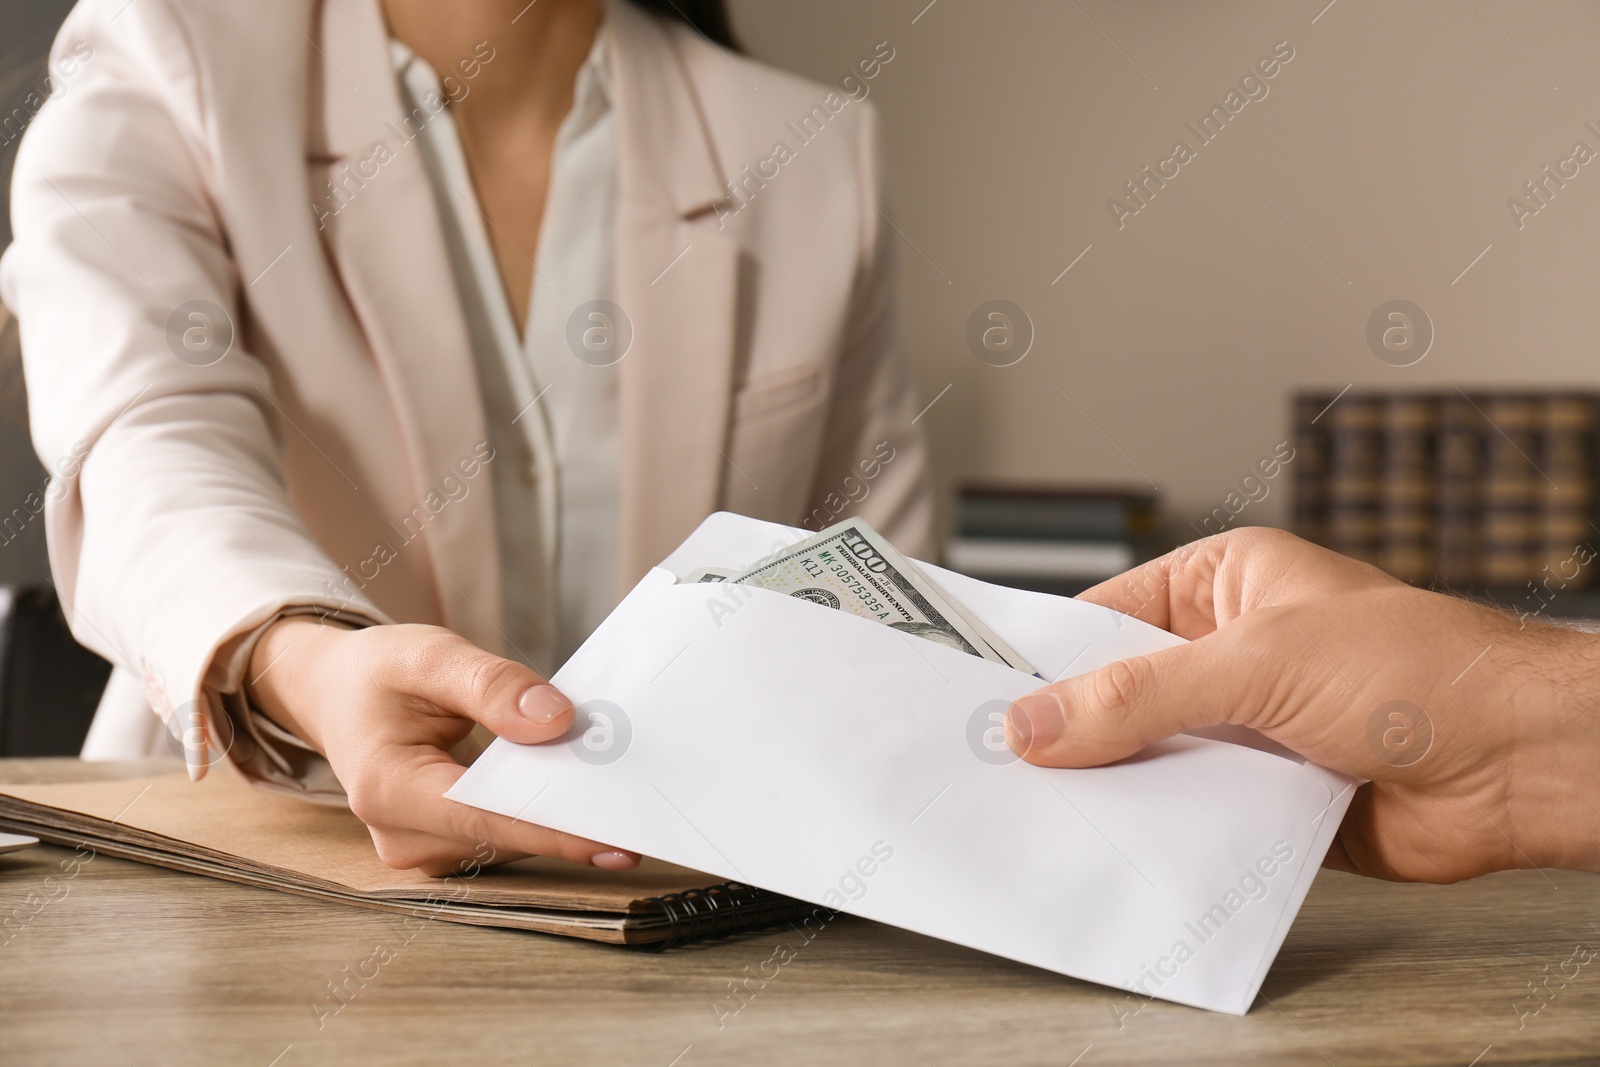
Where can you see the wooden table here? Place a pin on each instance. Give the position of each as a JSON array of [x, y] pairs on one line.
[[132, 964]]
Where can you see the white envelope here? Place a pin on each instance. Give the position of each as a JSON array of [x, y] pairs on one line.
[[781, 744]]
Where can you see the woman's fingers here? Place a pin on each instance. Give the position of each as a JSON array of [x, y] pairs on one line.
[[440, 831], [439, 857], [413, 824], [451, 819], [387, 703]]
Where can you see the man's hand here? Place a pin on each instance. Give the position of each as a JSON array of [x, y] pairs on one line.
[[385, 705], [1341, 663]]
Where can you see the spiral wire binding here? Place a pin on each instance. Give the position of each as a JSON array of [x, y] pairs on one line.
[[719, 910]]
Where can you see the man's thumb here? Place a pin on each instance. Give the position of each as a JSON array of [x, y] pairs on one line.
[[1118, 710]]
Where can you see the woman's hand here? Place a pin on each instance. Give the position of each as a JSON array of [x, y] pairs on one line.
[[384, 705], [1478, 730]]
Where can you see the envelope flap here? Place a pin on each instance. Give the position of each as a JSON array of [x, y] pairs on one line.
[[724, 539]]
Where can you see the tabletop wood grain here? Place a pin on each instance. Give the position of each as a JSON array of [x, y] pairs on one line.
[[104, 961]]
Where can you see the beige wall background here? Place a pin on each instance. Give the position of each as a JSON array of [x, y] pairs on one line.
[[1378, 167]]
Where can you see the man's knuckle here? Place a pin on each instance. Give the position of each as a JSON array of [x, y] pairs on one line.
[[1116, 688], [1264, 542]]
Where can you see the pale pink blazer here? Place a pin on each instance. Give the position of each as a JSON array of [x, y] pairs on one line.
[[180, 163]]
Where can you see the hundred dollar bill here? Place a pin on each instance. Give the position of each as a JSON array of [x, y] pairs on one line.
[[850, 567]]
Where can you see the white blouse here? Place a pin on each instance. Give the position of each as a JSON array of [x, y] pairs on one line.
[[552, 415]]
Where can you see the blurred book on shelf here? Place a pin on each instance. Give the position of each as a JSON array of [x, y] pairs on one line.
[[1488, 491], [1053, 538]]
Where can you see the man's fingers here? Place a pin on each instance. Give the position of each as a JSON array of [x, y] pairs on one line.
[[452, 673], [1124, 707], [1173, 592], [1200, 586], [417, 787], [1338, 859]]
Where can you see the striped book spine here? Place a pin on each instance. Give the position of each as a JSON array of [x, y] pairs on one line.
[[1460, 491], [1512, 496], [1355, 442], [1408, 487], [1567, 443], [1309, 513]]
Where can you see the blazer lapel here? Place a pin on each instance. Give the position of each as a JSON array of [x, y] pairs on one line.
[[677, 281], [381, 226]]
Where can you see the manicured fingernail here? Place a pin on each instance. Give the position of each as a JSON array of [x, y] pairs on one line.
[[1035, 722], [543, 703], [614, 861]]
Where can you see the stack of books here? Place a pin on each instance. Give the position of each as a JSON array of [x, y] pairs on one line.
[[1054, 539], [1481, 490]]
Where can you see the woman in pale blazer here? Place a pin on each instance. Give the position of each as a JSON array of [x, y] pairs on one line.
[[294, 281]]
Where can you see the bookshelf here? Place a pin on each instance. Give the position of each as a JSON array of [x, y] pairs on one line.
[[1492, 491]]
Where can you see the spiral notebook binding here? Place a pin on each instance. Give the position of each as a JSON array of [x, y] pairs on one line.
[[719, 910]]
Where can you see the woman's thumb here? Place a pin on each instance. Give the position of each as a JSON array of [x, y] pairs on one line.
[[513, 701]]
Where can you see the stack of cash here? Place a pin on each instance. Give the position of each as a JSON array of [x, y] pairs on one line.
[[849, 567]]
